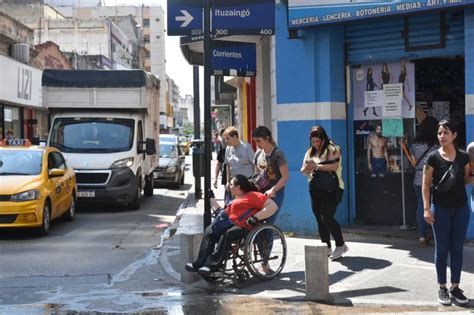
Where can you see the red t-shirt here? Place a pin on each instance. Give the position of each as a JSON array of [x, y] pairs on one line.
[[240, 209]]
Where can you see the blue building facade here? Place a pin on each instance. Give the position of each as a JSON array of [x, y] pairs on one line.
[[316, 69]]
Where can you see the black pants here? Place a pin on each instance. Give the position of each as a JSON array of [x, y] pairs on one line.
[[324, 205], [212, 257]]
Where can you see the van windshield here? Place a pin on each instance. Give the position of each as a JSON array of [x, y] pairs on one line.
[[92, 135]]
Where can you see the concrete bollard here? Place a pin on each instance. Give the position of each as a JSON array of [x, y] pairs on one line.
[[317, 273], [189, 246]]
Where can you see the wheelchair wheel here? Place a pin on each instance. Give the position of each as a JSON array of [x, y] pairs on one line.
[[240, 277], [265, 251]]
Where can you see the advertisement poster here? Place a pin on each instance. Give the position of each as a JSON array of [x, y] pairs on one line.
[[369, 95]]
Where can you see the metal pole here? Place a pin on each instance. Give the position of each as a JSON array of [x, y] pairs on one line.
[[404, 226], [197, 129], [207, 110]]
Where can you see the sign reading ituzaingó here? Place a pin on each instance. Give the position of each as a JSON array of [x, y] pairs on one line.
[[303, 13]]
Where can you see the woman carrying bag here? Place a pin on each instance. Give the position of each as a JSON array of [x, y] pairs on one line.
[[322, 165], [445, 175]]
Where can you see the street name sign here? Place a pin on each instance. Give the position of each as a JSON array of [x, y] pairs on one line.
[[228, 17], [243, 17], [233, 59]]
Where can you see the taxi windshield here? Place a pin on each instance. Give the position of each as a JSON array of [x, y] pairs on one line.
[[92, 135], [20, 162]]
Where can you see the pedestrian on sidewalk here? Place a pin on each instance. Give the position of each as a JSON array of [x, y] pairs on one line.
[[238, 157], [425, 142], [238, 215], [324, 156], [271, 168], [445, 173], [220, 165], [470, 152]]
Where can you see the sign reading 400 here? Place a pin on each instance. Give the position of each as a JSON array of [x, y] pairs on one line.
[[243, 17]]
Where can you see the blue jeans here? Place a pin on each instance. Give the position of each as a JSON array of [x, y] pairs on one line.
[[379, 166], [279, 198], [449, 229], [419, 212]]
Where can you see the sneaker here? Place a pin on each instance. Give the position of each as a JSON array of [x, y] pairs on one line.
[[205, 271], [190, 267], [422, 242], [443, 296], [458, 296], [338, 251]]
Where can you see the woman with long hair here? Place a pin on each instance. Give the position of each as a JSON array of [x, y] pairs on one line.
[[425, 142], [271, 168], [231, 221], [370, 86], [324, 155], [445, 174]]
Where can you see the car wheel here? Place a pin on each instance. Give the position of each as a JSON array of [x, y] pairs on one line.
[[135, 204], [71, 212], [46, 220], [148, 190]]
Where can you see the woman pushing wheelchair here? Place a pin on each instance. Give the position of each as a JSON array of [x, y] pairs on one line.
[[231, 223]]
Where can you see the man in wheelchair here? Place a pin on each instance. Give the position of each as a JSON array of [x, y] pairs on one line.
[[231, 223]]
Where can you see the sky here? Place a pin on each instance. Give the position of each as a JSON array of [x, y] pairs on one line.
[[176, 66]]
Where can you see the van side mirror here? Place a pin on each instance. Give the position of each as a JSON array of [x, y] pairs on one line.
[[150, 146]]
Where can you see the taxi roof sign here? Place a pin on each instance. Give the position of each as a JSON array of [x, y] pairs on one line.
[[16, 142]]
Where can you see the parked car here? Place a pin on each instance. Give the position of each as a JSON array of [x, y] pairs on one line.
[[185, 145], [36, 187], [171, 165]]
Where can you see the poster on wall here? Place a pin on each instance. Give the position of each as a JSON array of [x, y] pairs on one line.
[[370, 96]]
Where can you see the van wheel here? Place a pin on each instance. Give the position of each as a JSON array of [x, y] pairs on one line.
[[43, 230], [148, 190], [135, 204], [71, 212]]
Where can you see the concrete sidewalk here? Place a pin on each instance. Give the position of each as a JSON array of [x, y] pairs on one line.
[[377, 270]]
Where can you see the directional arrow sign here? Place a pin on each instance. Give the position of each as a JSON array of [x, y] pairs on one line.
[[184, 17], [233, 59], [228, 17]]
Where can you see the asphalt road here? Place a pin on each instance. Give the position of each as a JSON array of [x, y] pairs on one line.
[[103, 246]]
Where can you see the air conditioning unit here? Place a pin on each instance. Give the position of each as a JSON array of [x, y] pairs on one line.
[[21, 52]]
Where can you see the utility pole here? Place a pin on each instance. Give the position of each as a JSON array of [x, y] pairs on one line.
[[207, 111]]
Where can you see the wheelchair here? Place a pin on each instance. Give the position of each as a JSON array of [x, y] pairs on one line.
[[264, 245]]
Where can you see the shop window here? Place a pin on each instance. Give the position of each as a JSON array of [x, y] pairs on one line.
[[12, 121], [422, 32]]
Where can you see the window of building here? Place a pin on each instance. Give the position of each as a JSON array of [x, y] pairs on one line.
[[146, 38], [146, 22]]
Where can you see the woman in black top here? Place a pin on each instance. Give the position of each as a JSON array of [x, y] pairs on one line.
[[370, 86], [449, 212]]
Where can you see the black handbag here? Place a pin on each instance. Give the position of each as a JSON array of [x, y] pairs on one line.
[[325, 181], [449, 178]]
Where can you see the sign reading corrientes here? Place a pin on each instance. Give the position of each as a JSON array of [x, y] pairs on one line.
[[303, 13], [233, 59]]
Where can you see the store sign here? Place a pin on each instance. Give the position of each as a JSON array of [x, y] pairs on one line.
[[302, 13], [19, 83], [233, 59]]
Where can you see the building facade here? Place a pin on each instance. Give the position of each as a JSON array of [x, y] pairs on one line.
[[345, 57]]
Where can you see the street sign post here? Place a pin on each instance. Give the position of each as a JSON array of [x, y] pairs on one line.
[[233, 59]]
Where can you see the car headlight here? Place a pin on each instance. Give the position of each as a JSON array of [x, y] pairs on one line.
[[127, 162], [171, 169], [25, 196]]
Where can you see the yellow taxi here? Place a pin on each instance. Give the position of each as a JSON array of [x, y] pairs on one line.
[[185, 144], [36, 186]]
